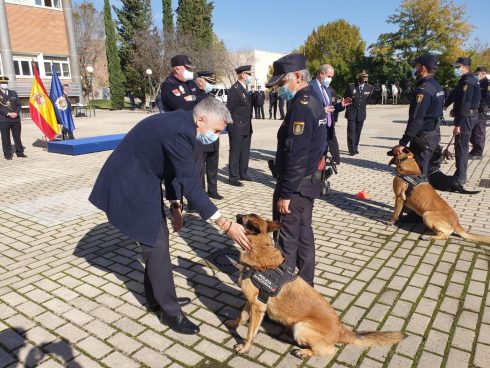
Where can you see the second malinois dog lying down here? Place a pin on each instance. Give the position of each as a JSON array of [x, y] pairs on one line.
[[421, 198], [314, 322]]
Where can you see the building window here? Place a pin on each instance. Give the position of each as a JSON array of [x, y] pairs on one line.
[[61, 65], [23, 66], [56, 4]]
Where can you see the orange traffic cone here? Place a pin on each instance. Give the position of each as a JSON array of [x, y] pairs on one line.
[[362, 195]]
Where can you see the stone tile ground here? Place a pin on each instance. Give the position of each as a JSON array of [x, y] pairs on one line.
[[71, 292]]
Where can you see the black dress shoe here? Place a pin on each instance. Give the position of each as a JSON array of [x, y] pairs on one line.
[[215, 196], [8, 157], [352, 153], [179, 323], [357, 152], [236, 183], [21, 155], [155, 307], [246, 178]]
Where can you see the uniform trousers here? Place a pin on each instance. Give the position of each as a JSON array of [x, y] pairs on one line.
[[425, 159], [354, 129], [260, 109], [333, 144], [281, 109], [5, 129], [295, 238], [462, 146], [478, 135], [158, 279], [272, 106], [211, 161], [239, 155]]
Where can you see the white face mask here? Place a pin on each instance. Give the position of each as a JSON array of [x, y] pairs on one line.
[[4, 86], [188, 75], [327, 81]]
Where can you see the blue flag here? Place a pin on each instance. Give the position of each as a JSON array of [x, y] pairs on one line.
[[61, 104]]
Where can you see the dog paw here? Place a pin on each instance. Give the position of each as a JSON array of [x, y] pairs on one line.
[[232, 323], [426, 237], [302, 353], [242, 348]]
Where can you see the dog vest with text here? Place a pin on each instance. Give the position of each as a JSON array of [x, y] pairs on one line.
[[412, 181], [270, 282]]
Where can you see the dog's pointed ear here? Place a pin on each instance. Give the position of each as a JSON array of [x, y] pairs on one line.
[[273, 226]]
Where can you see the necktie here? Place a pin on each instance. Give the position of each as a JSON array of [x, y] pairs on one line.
[[327, 103]]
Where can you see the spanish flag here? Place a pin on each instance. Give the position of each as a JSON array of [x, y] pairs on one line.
[[41, 108]]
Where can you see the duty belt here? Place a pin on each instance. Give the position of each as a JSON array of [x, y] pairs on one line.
[[270, 282], [412, 181]]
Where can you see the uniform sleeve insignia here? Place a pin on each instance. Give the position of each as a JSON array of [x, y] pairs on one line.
[[465, 87], [176, 92], [488, 88], [420, 97], [298, 127], [181, 89], [303, 101]]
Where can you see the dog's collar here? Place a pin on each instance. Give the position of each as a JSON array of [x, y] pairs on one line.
[[412, 181]]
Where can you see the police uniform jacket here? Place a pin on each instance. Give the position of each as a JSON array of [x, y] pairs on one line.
[[129, 186], [484, 94], [357, 109], [239, 104], [9, 102], [260, 96], [466, 98], [300, 142], [273, 97], [179, 95], [425, 109]]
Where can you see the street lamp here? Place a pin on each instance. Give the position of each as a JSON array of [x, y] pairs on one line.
[[90, 71], [149, 72]]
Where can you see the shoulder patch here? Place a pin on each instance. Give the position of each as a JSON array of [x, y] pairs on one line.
[[488, 88], [298, 127], [304, 100], [176, 92], [465, 87], [420, 97]]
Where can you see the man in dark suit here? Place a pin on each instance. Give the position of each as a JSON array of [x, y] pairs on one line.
[[240, 133], [205, 82], [10, 108], [66, 134], [360, 93], [260, 100], [129, 190], [272, 102], [478, 134], [321, 85]]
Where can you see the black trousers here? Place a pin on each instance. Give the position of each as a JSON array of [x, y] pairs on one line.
[[295, 238], [260, 109], [425, 159], [462, 147], [5, 129], [239, 155], [478, 135], [354, 129], [211, 162], [281, 109], [67, 134], [273, 106], [256, 110], [333, 144], [158, 280]]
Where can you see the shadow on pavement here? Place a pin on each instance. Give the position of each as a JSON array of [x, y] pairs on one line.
[[368, 164]]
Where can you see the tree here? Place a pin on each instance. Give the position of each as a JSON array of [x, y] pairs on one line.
[[337, 43], [194, 18], [116, 77], [168, 18]]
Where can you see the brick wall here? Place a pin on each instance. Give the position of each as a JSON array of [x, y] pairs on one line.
[[36, 30]]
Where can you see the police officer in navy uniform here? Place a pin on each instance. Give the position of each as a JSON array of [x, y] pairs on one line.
[[478, 134], [426, 109], [240, 133], [160, 149], [10, 109], [360, 93], [301, 141], [205, 82], [179, 91], [260, 100], [466, 99], [272, 103]]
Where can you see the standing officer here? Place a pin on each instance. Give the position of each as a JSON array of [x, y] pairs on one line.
[[240, 133], [466, 99], [10, 108], [253, 101], [300, 144], [205, 82], [179, 90], [272, 103], [160, 148], [478, 134], [260, 100], [65, 133], [280, 102], [426, 109], [359, 92]]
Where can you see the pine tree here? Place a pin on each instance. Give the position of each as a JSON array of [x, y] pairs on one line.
[[116, 77], [194, 18], [168, 17]]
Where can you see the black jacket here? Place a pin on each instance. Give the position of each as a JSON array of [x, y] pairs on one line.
[[240, 108], [180, 95], [465, 96], [9, 102], [357, 109], [484, 95]]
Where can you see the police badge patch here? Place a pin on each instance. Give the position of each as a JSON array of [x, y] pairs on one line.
[[420, 97], [465, 87], [298, 127], [304, 100], [176, 92]]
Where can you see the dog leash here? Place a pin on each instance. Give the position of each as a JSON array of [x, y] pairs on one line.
[[445, 152]]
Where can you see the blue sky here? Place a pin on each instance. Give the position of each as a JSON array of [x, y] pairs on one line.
[[282, 25]]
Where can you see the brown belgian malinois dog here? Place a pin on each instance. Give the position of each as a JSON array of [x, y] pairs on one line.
[[437, 215], [314, 322]]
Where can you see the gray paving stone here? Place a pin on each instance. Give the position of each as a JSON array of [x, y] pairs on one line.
[[151, 358], [184, 355], [117, 360], [94, 347]]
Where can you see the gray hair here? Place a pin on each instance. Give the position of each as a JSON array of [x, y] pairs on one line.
[[304, 74], [325, 68], [211, 106]]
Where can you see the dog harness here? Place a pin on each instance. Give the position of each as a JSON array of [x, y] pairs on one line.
[[270, 282], [412, 181]]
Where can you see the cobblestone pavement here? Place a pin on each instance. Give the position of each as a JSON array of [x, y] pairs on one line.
[[71, 284]]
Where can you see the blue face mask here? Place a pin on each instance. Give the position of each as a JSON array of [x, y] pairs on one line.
[[457, 72], [285, 93], [249, 79], [209, 87], [477, 76], [207, 138]]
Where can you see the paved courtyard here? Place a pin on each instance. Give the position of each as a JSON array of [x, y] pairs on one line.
[[71, 285]]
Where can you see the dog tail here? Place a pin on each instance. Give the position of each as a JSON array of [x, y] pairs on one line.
[[368, 339], [464, 191], [458, 229]]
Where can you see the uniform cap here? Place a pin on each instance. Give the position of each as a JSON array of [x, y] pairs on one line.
[[466, 61], [3, 79], [427, 60], [183, 60], [244, 68], [481, 69], [363, 73], [207, 76], [284, 65]]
